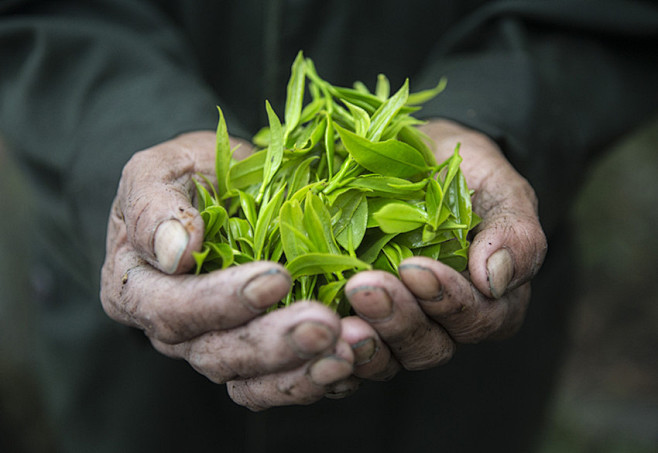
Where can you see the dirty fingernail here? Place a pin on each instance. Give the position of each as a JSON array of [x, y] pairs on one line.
[[329, 369], [371, 302], [257, 292], [364, 351], [171, 239], [343, 388], [421, 281], [309, 338], [500, 270]]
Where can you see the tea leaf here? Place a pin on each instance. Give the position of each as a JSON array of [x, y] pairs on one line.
[[266, 215], [388, 186], [353, 209], [389, 158], [323, 263], [383, 88], [421, 97], [222, 155], [317, 221], [274, 154], [295, 94], [214, 217], [361, 119], [399, 217], [293, 234], [387, 111], [247, 172]]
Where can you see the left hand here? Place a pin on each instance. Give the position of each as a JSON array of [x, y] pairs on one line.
[[415, 321]]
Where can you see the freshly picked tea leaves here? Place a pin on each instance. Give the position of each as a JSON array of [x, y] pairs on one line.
[[346, 183]]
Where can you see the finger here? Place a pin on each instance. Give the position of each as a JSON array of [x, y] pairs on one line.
[[372, 357], [510, 245], [448, 298], [342, 389], [279, 341], [301, 386], [155, 200], [175, 308], [387, 305]]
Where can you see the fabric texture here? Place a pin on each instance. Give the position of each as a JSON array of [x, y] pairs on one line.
[[85, 84]]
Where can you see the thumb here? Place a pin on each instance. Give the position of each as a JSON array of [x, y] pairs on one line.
[[509, 246], [155, 197]]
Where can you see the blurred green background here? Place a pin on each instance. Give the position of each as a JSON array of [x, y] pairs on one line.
[[607, 400]]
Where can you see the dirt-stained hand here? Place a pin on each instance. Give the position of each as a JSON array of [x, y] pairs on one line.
[[214, 321], [420, 317]]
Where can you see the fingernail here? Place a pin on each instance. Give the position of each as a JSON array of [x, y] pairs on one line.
[[343, 388], [364, 351], [171, 239], [257, 292], [329, 369], [371, 302], [422, 282], [500, 270], [309, 338]]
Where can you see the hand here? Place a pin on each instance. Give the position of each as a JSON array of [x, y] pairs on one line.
[[214, 321], [418, 318]]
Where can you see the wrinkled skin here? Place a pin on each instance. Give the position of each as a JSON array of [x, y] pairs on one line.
[[299, 354]]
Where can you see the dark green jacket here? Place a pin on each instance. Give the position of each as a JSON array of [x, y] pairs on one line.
[[85, 84]]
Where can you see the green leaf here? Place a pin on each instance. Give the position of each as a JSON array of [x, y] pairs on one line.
[[350, 226], [200, 258], [382, 263], [389, 158], [330, 293], [214, 218], [323, 263], [301, 175], [220, 253], [388, 186], [330, 145], [453, 167], [312, 110], [295, 94], [368, 102], [274, 154], [241, 236], [421, 97], [455, 255], [248, 171], [293, 234], [317, 222], [399, 217], [223, 155], [387, 111], [361, 119], [383, 88], [203, 196], [433, 201], [372, 244], [413, 137], [248, 205], [266, 215]]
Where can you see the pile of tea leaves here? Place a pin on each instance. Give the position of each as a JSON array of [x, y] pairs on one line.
[[345, 183]]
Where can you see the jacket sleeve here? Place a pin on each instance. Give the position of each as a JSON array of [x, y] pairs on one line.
[[553, 82], [83, 86]]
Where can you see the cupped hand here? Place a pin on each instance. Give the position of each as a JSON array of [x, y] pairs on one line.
[[215, 321], [418, 318]]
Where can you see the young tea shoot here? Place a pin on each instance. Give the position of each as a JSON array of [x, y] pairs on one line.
[[346, 183]]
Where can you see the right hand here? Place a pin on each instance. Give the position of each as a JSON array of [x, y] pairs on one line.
[[214, 321]]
